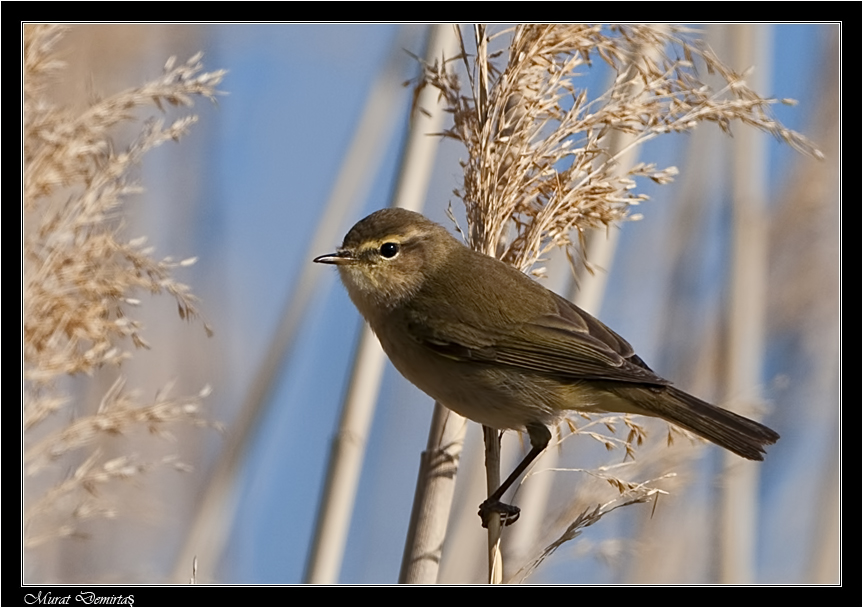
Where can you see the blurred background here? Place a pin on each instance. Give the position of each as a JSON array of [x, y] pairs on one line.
[[247, 191]]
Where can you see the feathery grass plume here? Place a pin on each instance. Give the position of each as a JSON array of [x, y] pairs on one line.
[[540, 168], [537, 166], [595, 492], [631, 494], [81, 276]]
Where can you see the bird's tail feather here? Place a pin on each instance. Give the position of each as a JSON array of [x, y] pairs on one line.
[[731, 431]]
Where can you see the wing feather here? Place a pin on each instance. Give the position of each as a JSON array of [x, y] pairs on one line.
[[567, 343]]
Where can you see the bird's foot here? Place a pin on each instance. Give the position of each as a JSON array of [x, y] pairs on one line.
[[508, 513]]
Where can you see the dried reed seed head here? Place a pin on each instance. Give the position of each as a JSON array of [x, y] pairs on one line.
[[81, 276], [544, 159]]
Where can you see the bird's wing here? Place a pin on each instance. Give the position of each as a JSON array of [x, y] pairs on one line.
[[568, 343]]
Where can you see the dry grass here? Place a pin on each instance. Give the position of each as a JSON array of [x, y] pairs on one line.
[[539, 165], [82, 278], [544, 159]]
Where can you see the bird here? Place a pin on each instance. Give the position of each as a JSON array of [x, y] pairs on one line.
[[495, 346]]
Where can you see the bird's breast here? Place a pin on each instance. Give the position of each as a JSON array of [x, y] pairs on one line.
[[497, 396]]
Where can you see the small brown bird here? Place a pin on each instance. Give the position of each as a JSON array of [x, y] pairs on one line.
[[498, 348]]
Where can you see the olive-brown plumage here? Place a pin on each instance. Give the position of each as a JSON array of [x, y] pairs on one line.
[[500, 349]]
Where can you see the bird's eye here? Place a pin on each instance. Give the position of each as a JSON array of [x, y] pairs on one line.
[[389, 250]]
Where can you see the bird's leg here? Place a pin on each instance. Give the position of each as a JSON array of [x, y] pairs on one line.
[[539, 438]]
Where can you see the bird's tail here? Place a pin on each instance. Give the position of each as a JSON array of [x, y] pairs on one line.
[[731, 431]]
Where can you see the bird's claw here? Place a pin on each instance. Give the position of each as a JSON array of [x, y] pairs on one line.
[[508, 513]]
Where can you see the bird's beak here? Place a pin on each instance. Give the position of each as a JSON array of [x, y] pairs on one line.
[[340, 258]]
